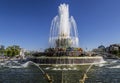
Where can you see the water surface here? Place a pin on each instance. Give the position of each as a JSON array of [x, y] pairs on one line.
[[103, 73]]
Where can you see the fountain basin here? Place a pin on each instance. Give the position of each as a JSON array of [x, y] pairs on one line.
[[66, 60]]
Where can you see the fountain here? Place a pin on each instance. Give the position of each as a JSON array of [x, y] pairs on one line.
[[22, 51], [59, 62], [64, 42], [63, 32]]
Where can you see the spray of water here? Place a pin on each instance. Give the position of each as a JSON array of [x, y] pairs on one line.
[[63, 32], [30, 63]]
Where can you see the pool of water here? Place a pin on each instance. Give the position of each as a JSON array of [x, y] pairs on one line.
[[108, 72]]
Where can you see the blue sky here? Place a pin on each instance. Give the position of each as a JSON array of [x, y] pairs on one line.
[[27, 22]]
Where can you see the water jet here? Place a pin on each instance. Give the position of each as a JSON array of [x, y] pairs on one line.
[[64, 42]]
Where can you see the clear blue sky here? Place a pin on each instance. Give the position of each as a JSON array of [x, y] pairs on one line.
[[27, 22]]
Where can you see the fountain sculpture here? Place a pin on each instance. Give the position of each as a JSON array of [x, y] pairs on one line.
[[64, 42]]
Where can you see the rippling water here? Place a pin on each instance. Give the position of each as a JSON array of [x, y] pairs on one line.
[[102, 73]]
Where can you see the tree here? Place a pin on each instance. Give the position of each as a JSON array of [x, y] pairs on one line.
[[13, 50], [8, 52]]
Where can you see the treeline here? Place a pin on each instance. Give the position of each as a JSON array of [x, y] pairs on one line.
[[9, 51]]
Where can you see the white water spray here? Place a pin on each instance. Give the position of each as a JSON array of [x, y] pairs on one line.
[[63, 32]]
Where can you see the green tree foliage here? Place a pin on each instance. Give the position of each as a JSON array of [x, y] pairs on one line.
[[13, 50], [115, 52]]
